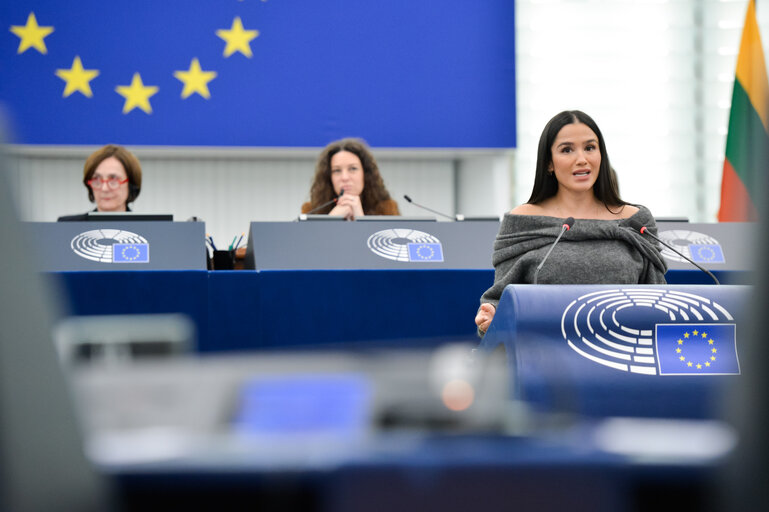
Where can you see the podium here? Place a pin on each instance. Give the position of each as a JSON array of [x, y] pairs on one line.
[[617, 350], [117, 245]]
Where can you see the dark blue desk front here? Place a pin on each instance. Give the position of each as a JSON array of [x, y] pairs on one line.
[[133, 292], [244, 310], [298, 307]]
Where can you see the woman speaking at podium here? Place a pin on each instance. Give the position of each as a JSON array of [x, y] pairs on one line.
[[347, 183], [113, 177], [573, 179]]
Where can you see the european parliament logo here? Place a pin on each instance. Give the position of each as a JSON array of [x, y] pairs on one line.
[[425, 252], [406, 245], [131, 253], [652, 332], [697, 349], [706, 253], [699, 247], [111, 246]]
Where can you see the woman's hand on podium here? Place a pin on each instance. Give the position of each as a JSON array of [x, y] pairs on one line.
[[485, 316]]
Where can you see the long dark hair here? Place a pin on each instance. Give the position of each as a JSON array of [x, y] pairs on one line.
[[374, 191], [606, 187]]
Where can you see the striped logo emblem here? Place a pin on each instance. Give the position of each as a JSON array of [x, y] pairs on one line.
[[619, 328]]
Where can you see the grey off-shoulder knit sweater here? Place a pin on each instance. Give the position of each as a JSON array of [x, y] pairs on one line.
[[591, 252]]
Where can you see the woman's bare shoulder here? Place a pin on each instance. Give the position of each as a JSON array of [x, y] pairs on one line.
[[628, 211], [527, 209]]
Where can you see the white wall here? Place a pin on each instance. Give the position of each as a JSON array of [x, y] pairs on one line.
[[230, 187], [657, 77]]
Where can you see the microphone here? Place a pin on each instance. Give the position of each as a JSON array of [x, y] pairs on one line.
[[318, 208], [642, 229], [407, 198], [567, 224]]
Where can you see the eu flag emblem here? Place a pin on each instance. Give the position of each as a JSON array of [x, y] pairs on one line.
[[697, 349], [706, 253], [131, 253], [425, 252]]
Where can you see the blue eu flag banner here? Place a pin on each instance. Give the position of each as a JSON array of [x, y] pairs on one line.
[[706, 253], [131, 253], [425, 252], [299, 73], [697, 349]]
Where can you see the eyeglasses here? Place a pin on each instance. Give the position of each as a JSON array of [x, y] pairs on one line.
[[112, 183]]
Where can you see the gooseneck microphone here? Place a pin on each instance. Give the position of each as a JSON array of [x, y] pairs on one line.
[[318, 208], [567, 224], [642, 229], [407, 198]]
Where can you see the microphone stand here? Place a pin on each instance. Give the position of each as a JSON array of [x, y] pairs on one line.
[[568, 223], [318, 208], [407, 198], [644, 231]]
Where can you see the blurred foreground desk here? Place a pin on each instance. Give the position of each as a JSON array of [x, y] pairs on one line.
[[168, 435], [447, 473]]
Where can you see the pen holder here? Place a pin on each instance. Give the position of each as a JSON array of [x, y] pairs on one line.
[[224, 260]]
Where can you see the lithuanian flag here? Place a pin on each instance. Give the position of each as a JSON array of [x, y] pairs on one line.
[[746, 166]]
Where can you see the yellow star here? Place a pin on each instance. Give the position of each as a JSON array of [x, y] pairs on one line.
[[77, 78], [689, 363], [710, 342], [695, 332], [704, 335], [680, 342], [707, 363], [195, 80], [31, 35], [678, 350], [682, 358], [699, 366], [136, 94], [713, 350], [686, 335], [237, 39], [712, 358]]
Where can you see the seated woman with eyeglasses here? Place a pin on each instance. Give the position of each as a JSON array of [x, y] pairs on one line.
[[113, 177]]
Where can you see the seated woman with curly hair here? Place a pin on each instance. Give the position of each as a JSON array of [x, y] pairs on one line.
[[347, 183]]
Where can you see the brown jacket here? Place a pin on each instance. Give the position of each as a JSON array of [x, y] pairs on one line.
[[386, 207]]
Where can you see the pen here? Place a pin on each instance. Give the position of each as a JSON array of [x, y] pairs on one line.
[[232, 244], [211, 241], [239, 240]]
